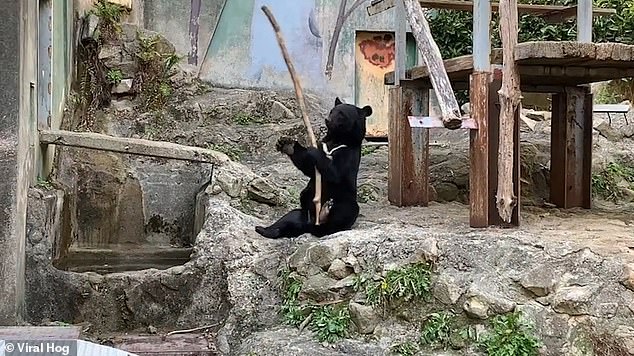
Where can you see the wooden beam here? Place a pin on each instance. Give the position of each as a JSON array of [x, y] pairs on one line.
[[571, 149], [509, 105], [479, 147], [433, 60], [135, 146], [408, 172], [584, 21]]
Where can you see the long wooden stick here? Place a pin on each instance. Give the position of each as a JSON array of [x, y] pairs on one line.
[[509, 102], [449, 107], [302, 104]]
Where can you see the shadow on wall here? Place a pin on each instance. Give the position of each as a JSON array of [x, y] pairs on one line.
[[244, 51]]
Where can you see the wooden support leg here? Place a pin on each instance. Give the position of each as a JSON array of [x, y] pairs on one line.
[[485, 110], [571, 149], [408, 173]]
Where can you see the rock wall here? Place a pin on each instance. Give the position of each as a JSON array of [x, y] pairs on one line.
[[570, 294]]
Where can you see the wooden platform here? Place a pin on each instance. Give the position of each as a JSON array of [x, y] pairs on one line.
[[544, 65], [550, 13]]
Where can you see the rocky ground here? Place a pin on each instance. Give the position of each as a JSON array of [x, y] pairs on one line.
[[570, 273]]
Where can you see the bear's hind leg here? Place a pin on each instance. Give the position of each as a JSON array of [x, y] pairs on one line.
[[292, 224]]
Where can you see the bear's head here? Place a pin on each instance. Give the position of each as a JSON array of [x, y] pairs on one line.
[[346, 124]]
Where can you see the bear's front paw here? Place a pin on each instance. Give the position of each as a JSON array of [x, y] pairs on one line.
[[285, 145]]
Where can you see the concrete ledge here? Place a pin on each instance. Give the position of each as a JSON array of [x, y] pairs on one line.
[[135, 146]]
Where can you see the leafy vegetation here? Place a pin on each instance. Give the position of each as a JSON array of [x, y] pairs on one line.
[[156, 67], [244, 119], [510, 336], [329, 322], [437, 330], [109, 15], [608, 182], [406, 283], [114, 76], [234, 152], [44, 183], [366, 150], [407, 348]]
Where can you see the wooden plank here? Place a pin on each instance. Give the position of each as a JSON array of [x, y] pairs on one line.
[[479, 150], [408, 172], [184, 344], [599, 58], [550, 13], [40, 332], [95, 141], [431, 122], [571, 149], [611, 108]]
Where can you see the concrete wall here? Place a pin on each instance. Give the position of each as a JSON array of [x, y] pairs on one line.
[[18, 119], [172, 20]]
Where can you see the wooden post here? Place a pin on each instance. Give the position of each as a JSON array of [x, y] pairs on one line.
[[509, 105], [584, 21], [479, 96], [408, 173], [571, 149], [451, 116]]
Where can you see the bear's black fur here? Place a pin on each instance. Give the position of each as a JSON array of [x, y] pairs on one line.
[[345, 133]]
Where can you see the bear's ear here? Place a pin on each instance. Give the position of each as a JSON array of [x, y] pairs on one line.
[[337, 101], [366, 110]]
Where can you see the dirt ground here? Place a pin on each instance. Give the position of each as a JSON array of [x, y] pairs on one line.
[[604, 230]]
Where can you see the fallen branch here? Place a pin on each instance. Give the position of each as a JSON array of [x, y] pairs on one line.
[[509, 102], [302, 104], [451, 117], [187, 331]]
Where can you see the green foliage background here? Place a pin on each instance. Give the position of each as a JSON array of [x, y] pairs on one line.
[[452, 29]]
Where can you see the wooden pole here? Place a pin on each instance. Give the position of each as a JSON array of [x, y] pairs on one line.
[[449, 108], [584, 21], [509, 102], [302, 104]]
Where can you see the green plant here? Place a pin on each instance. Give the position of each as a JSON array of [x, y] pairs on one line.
[[114, 76], [367, 193], [330, 323], [510, 336], [405, 283], [437, 330], [290, 286], [606, 183], [366, 150], [109, 15], [407, 348], [44, 183], [156, 67], [235, 153], [244, 119]]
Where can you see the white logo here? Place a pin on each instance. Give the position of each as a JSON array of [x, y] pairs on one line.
[[9, 347]]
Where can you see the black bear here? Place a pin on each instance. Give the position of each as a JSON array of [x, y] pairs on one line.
[[338, 163]]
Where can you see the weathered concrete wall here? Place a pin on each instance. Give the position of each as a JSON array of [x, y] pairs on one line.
[[172, 19], [17, 123]]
